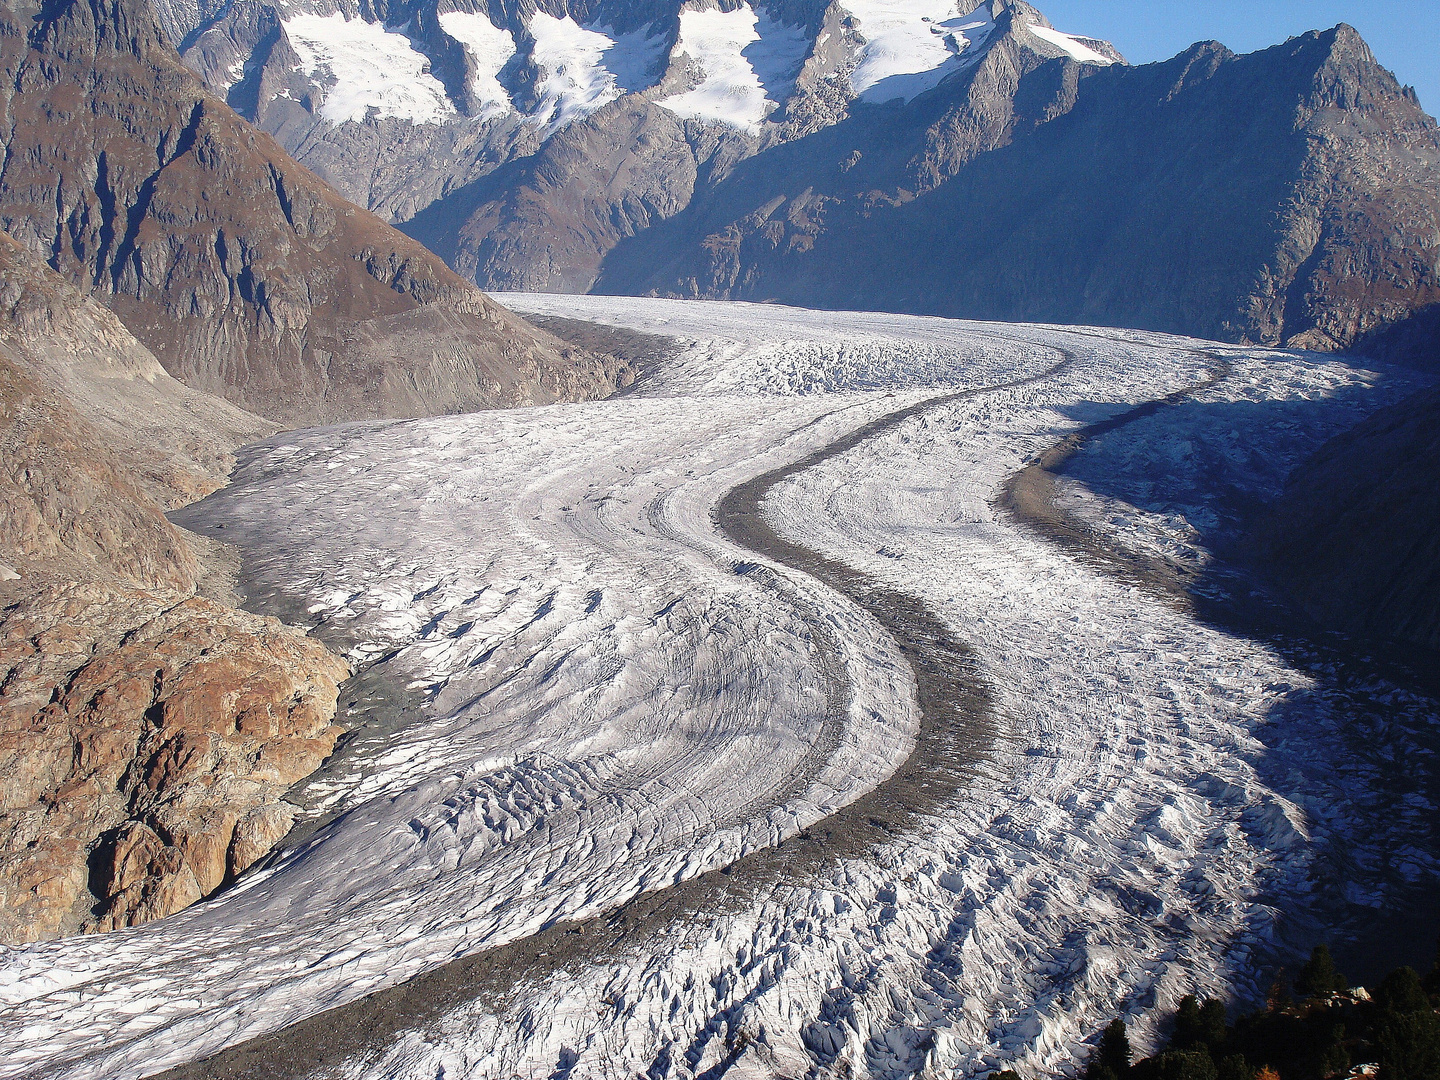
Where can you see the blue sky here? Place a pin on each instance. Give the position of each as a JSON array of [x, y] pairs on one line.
[[1405, 34]]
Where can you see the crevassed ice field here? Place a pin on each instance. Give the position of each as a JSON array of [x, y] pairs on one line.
[[607, 697]]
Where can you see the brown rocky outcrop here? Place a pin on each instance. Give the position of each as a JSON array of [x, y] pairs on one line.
[[144, 747], [146, 734], [241, 271]]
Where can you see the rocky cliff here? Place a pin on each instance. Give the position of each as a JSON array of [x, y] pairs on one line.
[[145, 743], [98, 441], [147, 734], [241, 271]]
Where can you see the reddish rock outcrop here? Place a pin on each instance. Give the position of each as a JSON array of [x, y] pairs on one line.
[[144, 747]]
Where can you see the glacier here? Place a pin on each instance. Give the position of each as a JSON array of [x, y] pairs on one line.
[[610, 698]]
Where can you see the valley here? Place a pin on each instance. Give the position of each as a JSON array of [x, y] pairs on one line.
[[587, 644], [685, 539]]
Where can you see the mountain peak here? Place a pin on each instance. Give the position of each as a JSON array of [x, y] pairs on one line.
[[244, 273], [76, 28], [1347, 43], [1347, 74]]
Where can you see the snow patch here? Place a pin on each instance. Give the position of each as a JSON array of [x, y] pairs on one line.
[[574, 82], [1073, 46], [913, 45], [584, 68], [489, 49], [634, 58], [364, 66], [748, 65]]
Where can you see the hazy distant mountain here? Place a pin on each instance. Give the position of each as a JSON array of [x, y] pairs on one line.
[[240, 270]]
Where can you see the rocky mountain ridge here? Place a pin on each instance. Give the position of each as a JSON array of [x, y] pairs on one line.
[[400, 104], [1290, 196], [240, 270]]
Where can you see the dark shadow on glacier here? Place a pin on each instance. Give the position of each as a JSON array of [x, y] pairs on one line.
[[1175, 501]]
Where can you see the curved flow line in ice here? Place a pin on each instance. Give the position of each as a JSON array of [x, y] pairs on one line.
[[597, 961], [956, 728], [1029, 496]]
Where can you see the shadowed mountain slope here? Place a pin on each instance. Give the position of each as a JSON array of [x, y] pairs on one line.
[[1287, 196], [1356, 537]]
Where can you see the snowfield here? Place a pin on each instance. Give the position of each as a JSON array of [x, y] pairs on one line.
[[608, 696], [746, 64], [731, 68], [363, 66], [913, 45]]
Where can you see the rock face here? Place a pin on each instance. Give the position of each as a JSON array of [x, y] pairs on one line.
[[1356, 537], [144, 747], [146, 734], [98, 441], [1288, 197], [240, 270]]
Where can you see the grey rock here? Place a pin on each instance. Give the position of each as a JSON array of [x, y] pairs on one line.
[[1291, 196]]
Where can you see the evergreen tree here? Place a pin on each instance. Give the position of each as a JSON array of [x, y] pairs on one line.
[[1408, 1045], [1112, 1056], [1234, 1067], [1188, 1032], [1407, 1031], [1194, 1064], [1401, 992], [1212, 1022], [1432, 980], [1334, 1059], [1319, 977]]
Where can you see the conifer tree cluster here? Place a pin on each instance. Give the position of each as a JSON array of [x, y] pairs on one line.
[[1322, 1032]]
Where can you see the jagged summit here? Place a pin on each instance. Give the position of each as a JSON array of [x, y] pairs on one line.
[[1285, 197], [398, 104]]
